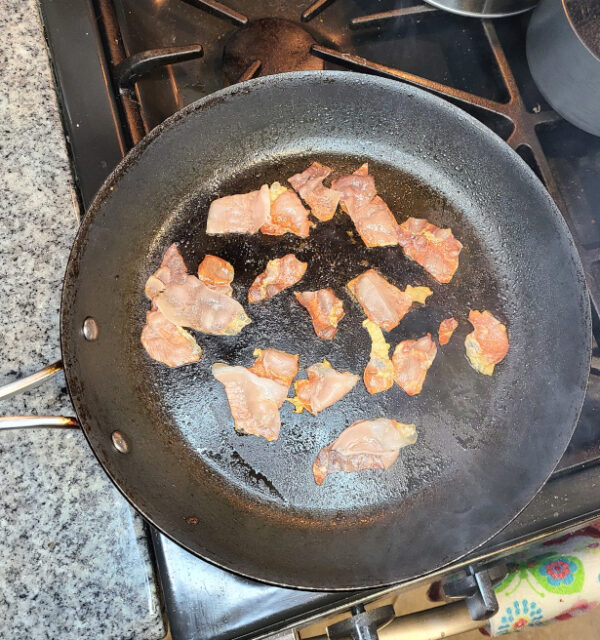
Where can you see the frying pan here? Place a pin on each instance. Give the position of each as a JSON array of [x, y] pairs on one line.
[[486, 444]]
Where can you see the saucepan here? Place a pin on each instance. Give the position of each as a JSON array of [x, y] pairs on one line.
[[485, 8], [563, 51]]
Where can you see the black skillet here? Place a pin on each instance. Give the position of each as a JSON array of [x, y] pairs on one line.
[[486, 445]]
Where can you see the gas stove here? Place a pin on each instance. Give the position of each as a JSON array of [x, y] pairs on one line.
[[123, 66]]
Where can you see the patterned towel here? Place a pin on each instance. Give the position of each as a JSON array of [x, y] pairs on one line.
[[557, 580]]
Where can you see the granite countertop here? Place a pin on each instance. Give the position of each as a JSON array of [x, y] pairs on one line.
[[74, 558]]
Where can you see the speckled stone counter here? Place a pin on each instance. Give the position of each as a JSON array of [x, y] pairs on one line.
[[74, 557]]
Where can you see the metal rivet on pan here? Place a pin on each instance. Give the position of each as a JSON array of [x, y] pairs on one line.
[[119, 442], [90, 329]]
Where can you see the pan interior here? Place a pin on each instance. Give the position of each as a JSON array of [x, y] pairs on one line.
[[449, 413], [486, 444]]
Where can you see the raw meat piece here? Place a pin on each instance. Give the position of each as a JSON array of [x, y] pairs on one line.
[[322, 201], [254, 401], [280, 274], [324, 387], [172, 270], [355, 188], [487, 345], [379, 372], [194, 305], [435, 249], [187, 301], [239, 213], [325, 309], [181, 300], [277, 365], [447, 328], [256, 394], [287, 214], [375, 223], [412, 359], [216, 274], [167, 343], [371, 216], [382, 302], [365, 444]]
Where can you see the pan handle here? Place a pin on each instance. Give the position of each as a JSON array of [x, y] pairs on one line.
[[30, 422], [22, 384]]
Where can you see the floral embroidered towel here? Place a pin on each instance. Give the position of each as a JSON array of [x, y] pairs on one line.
[[554, 581]]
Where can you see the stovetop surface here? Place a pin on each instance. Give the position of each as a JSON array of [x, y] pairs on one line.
[[445, 50], [479, 65]]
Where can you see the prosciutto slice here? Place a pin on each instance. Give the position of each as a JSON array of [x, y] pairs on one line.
[[356, 189], [280, 274], [256, 394], [374, 221], [287, 214], [322, 201], [276, 365], [383, 303], [194, 305], [172, 270], [411, 360], [487, 344], [447, 328], [324, 387], [216, 274], [168, 343], [202, 303], [164, 341], [239, 213], [325, 309], [365, 444], [435, 249]]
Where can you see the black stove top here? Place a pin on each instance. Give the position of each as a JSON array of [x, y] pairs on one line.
[[123, 66]]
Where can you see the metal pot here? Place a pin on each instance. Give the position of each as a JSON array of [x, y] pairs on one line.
[[485, 8], [563, 51]]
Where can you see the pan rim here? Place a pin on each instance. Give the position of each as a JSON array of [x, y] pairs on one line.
[[129, 161]]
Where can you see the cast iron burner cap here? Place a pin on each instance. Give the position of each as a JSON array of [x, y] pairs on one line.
[[278, 45]]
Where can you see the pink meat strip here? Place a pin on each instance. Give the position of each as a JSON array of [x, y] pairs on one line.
[[167, 343], [202, 304], [411, 360], [322, 201], [365, 444], [435, 249], [383, 303], [194, 305], [164, 341], [239, 213], [255, 395], [172, 270], [216, 274], [279, 274], [371, 216], [287, 215], [324, 387], [325, 309]]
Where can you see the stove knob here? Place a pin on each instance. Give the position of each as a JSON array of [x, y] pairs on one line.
[[362, 625]]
